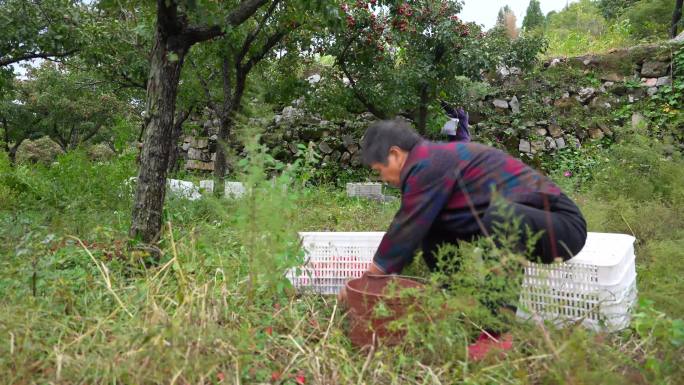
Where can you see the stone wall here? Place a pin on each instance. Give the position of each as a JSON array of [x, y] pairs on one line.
[[529, 116], [334, 141], [567, 111]]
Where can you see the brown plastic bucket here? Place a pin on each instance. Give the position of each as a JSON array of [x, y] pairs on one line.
[[364, 294]]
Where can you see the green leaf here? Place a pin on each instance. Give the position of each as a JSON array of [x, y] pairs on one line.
[[172, 57]]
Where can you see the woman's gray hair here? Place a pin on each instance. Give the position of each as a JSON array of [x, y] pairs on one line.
[[382, 135]]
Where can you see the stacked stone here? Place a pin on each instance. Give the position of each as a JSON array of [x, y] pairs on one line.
[[655, 74], [197, 154], [336, 142]]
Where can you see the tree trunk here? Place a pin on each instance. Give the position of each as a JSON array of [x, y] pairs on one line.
[[173, 38], [421, 119], [226, 119], [13, 152], [6, 130], [165, 66], [676, 16], [220, 165], [74, 138]]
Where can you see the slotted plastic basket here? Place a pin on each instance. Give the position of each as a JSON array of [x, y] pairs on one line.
[[364, 189], [596, 287], [332, 258]]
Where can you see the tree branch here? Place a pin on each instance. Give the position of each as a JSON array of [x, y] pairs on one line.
[[366, 103], [6, 130], [181, 117], [271, 42], [35, 55], [199, 34], [225, 74], [244, 11], [91, 133], [130, 82], [205, 88], [59, 137], [71, 136], [250, 38]]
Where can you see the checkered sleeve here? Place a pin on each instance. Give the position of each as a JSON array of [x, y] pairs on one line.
[[426, 190]]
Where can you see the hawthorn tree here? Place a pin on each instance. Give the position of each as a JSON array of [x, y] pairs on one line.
[[45, 29], [18, 123], [397, 57], [179, 25], [70, 106], [117, 42], [223, 67]]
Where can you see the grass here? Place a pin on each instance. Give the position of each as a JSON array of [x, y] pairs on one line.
[[78, 308], [580, 42]]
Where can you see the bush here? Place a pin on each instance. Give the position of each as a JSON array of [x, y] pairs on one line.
[[642, 170], [7, 197], [100, 152], [650, 18], [43, 150]]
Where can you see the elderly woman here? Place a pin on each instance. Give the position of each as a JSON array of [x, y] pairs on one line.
[[447, 193]]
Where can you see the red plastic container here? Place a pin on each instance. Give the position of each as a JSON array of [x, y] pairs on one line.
[[364, 294]]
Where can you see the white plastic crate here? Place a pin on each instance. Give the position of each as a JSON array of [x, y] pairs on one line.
[[597, 286], [364, 189], [332, 258]]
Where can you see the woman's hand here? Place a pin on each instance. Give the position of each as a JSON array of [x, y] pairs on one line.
[[342, 296], [373, 269]]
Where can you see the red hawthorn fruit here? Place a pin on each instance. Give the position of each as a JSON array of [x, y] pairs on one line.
[[275, 376], [300, 379], [350, 21]]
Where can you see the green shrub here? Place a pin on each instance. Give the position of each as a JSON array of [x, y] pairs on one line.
[[43, 150], [8, 197], [641, 170], [100, 153], [650, 18]]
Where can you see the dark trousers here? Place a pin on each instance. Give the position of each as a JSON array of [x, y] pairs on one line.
[[562, 226]]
